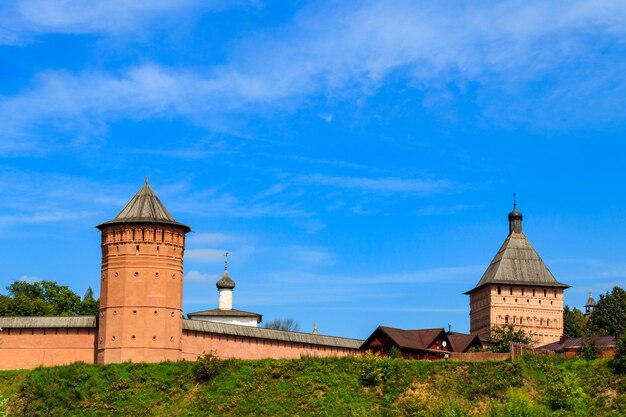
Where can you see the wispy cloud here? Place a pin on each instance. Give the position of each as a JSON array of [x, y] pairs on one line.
[[439, 210], [497, 50], [205, 255], [273, 190], [390, 185], [21, 20], [227, 205], [214, 239], [29, 278], [48, 197], [213, 256], [309, 255], [198, 276], [463, 309], [432, 275]]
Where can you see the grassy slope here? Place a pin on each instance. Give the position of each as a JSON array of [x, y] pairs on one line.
[[534, 386]]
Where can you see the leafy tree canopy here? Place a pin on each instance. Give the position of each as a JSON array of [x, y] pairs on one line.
[[505, 335], [575, 324], [288, 324], [46, 298], [609, 315]]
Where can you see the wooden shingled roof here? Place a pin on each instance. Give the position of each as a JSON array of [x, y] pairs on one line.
[[517, 263], [145, 207], [55, 322], [460, 342], [216, 312], [419, 339], [270, 334]]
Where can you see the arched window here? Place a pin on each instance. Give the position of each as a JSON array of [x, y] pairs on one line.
[[506, 319]]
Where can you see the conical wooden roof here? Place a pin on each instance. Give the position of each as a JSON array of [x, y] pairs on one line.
[[145, 207], [517, 262]]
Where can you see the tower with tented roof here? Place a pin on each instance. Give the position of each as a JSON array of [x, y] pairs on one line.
[[590, 305], [518, 289], [141, 288]]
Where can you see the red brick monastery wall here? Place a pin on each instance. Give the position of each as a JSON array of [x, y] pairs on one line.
[[30, 348], [28, 342], [241, 347]]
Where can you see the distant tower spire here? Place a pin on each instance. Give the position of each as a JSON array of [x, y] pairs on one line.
[[515, 218], [315, 331], [590, 305], [225, 286], [145, 179]]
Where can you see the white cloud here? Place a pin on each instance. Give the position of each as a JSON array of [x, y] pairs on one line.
[[198, 276], [23, 19], [273, 190], [457, 274], [570, 52], [48, 197], [29, 278], [309, 255], [214, 239], [391, 185], [404, 309], [442, 210], [238, 254], [205, 255]]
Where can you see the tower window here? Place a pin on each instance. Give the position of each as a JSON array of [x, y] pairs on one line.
[[506, 320], [522, 291], [545, 293], [533, 292], [554, 293], [499, 290], [511, 290]]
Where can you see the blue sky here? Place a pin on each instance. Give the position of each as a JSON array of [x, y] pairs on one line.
[[357, 159]]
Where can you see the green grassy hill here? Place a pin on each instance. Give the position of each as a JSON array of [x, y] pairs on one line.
[[369, 386]]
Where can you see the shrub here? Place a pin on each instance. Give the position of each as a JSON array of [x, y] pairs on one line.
[[376, 370], [563, 391], [207, 366], [619, 360], [505, 335], [395, 353], [518, 404], [590, 350]]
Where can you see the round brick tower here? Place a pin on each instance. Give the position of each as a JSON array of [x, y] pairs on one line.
[[141, 290]]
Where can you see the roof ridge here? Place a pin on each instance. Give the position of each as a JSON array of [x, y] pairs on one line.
[[518, 263], [145, 207]]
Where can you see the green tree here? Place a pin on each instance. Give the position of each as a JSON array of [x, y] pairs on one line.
[[609, 315], [505, 335], [619, 360], [45, 298], [575, 324], [288, 324], [89, 306]]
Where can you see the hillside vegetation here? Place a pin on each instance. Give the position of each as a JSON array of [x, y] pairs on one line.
[[368, 386]]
